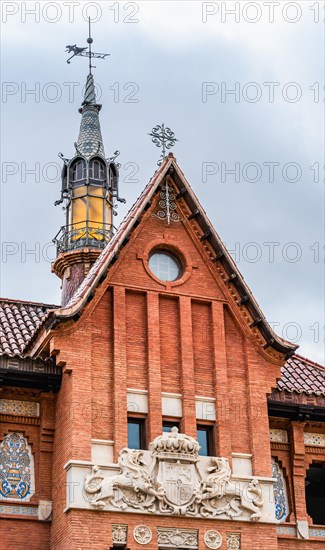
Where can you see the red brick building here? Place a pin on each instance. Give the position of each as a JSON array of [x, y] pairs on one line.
[[155, 407]]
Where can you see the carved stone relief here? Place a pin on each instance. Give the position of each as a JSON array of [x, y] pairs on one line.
[[213, 539], [119, 533], [233, 541], [44, 510], [168, 480], [179, 538], [142, 534]]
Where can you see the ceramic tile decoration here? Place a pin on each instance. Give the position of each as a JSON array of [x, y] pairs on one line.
[[280, 494], [19, 408], [16, 468], [278, 436], [318, 440]]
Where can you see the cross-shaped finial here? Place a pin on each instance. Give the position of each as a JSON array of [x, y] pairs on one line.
[[163, 137]]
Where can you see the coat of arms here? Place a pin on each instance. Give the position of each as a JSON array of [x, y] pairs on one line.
[[166, 480]]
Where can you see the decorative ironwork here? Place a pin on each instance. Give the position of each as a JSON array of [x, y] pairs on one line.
[[82, 52], [167, 204], [74, 237], [163, 137]]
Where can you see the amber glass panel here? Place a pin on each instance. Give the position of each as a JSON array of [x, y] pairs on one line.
[[79, 211], [95, 212], [108, 212]]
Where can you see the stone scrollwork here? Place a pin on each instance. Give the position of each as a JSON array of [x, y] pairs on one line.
[[142, 534], [179, 538], [213, 539], [169, 479]]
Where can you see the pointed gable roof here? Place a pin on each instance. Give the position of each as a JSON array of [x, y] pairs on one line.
[[231, 274]]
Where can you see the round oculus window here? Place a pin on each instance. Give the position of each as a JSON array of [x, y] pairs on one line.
[[164, 266]]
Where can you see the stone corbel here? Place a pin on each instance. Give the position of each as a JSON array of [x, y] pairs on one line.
[[45, 510]]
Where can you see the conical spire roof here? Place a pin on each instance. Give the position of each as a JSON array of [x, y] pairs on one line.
[[90, 141]]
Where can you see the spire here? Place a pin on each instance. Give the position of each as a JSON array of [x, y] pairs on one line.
[[89, 190], [90, 93], [90, 141]]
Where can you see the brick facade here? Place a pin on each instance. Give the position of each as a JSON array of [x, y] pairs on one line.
[[183, 338]]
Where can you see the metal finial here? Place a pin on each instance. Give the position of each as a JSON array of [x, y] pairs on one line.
[[163, 137], [82, 52]]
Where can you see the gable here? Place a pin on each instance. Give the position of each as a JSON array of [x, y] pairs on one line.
[[221, 265], [179, 238]]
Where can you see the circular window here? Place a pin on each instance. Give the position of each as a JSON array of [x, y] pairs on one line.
[[164, 265]]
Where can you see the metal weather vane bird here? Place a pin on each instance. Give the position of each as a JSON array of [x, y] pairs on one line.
[[82, 52]]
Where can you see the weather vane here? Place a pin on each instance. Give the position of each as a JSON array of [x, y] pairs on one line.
[[163, 137], [82, 52]]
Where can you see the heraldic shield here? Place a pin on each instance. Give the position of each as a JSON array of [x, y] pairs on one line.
[[177, 455], [180, 481]]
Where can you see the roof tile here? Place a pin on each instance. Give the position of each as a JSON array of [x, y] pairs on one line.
[[18, 322]]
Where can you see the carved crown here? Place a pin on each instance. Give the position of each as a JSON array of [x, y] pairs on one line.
[[173, 444]]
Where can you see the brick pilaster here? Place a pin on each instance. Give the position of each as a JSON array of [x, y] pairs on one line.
[[298, 468], [257, 414], [154, 374], [187, 367], [120, 372], [220, 381]]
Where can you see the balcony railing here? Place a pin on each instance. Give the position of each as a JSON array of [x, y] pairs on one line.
[[81, 235]]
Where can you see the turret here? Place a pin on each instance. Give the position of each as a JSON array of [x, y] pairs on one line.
[[89, 189]]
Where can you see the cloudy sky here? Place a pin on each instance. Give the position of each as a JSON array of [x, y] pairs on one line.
[[241, 85]]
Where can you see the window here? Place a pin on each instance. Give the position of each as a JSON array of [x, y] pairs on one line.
[[136, 433], [315, 493], [164, 265], [205, 439], [78, 171], [96, 170], [167, 426]]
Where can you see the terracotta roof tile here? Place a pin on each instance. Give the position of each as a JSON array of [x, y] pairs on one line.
[[18, 322], [300, 375]]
